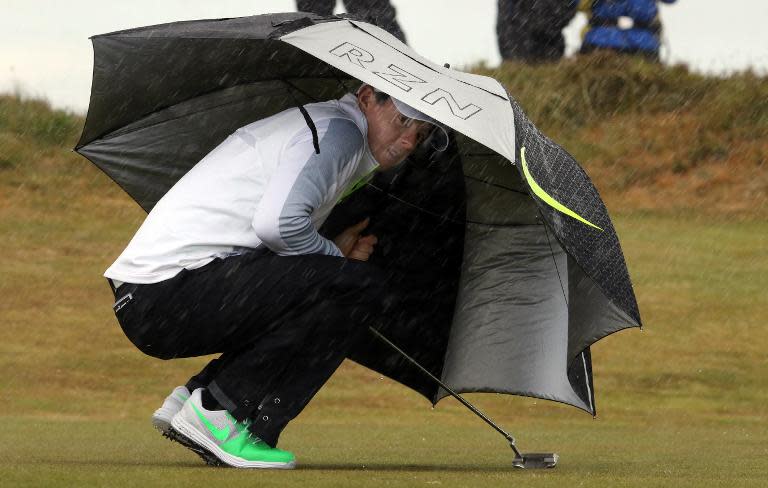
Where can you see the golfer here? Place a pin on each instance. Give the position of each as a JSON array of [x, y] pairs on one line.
[[230, 261]]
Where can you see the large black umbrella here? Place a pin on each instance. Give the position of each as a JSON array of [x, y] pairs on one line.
[[525, 271]]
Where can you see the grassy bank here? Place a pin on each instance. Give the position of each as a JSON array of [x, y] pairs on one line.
[[653, 137]]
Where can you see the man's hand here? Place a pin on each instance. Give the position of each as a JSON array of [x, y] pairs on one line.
[[363, 248], [353, 246]]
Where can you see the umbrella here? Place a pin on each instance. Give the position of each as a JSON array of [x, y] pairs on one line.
[[532, 272]]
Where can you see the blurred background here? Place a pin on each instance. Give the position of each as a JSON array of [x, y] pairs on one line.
[[45, 51]]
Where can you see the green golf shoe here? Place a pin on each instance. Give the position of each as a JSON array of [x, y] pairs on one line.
[[226, 438]]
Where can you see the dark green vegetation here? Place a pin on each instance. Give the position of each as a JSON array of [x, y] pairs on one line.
[[683, 403]]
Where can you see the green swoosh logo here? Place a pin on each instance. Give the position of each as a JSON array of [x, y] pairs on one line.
[[546, 198], [220, 434]]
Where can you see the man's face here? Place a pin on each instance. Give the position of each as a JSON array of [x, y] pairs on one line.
[[391, 135]]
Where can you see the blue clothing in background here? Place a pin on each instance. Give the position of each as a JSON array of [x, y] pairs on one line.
[[639, 10], [642, 37]]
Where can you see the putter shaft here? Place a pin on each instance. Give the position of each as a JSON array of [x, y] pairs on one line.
[[455, 395]]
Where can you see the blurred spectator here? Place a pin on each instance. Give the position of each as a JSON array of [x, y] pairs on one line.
[[627, 26], [378, 12], [532, 30]]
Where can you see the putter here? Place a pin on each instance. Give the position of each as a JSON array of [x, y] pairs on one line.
[[529, 460]]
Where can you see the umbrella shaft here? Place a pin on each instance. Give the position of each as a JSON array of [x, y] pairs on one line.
[[449, 390]]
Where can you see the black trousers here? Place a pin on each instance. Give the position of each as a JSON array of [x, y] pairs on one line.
[[379, 12], [283, 325], [531, 30]]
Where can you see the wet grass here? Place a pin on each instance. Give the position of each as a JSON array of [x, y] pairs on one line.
[[650, 136], [34, 118], [683, 403], [426, 449], [586, 90]]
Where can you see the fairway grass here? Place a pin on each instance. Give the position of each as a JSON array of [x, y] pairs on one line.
[[427, 449], [681, 403]]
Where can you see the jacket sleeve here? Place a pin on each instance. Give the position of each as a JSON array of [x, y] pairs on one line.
[[302, 183]]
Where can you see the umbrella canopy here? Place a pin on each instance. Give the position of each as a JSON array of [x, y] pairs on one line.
[[531, 272]]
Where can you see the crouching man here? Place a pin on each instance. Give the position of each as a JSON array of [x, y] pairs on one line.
[[230, 261]]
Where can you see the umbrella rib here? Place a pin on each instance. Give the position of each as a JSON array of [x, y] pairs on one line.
[[552, 253], [586, 375], [122, 131], [291, 85], [443, 217], [496, 185]]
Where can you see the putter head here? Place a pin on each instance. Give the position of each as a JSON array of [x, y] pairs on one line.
[[536, 460]]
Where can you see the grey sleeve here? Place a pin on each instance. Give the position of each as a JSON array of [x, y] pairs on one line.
[[303, 182]]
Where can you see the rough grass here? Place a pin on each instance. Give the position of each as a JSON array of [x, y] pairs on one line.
[[653, 137], [683, 403], [31, 126]]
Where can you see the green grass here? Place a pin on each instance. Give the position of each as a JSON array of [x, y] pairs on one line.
[[25, 123], [682, 403], [426, 448], [586, 90]]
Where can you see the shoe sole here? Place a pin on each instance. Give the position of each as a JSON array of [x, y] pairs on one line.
[[206, 455], [194, 436], [165, 428]]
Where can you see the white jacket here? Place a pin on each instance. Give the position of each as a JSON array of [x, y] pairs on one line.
[[263, 186]]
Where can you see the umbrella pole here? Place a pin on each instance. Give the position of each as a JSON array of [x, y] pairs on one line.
[[458, 397]]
